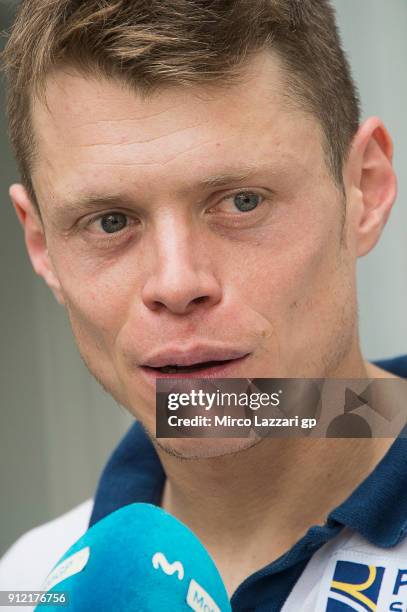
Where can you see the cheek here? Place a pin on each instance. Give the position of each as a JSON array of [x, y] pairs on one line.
[[289, 269], [95, 310], [318, 307], [301, 281], [97, 303], [97, 292]]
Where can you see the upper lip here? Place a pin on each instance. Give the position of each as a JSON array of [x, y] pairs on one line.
[[200, 354]]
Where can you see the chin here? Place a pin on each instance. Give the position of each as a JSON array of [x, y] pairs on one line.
[[204, 448]]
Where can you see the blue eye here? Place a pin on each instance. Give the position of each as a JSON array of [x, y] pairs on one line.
[[113, 222], [246, 201]]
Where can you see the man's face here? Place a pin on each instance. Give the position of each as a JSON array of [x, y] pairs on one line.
[[194, 225]]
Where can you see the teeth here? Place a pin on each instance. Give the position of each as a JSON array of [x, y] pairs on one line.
[[174, 369], [169, 369]]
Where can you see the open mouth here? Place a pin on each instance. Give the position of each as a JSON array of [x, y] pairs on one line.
[[196, 367], [203, 369], [226, 364]]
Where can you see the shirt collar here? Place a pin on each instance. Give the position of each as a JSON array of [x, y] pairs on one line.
[[132, 474], [377, 508]]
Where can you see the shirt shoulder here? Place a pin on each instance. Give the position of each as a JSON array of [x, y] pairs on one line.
[[28, 561], [349, 570]]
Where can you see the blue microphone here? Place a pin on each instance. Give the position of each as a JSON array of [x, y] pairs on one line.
[[141, 559]]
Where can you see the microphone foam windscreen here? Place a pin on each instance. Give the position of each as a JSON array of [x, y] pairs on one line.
[[141, 559]]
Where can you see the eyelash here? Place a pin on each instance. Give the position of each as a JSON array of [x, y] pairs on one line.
[[99, 217], [104, 240], [212, 210], [246, 192]]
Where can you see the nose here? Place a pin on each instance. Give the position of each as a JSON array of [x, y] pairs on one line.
[[182, 278]]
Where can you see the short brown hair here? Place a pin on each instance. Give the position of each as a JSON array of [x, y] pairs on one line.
[[152, 43]]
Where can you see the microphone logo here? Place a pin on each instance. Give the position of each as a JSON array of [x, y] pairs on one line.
[[161, 562]]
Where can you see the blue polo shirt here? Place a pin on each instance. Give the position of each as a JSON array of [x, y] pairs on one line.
[[377, 509]]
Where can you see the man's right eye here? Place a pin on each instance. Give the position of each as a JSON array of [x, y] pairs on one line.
[[113, 222]]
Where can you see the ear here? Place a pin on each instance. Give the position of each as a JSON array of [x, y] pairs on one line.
[[372, 183], [35, 241]]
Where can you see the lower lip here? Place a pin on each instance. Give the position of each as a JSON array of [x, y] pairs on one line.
[[223, 370]]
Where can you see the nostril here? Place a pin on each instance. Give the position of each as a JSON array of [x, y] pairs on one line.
[[201, 299]]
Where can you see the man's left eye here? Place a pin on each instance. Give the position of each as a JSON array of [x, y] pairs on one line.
[[241, 206]]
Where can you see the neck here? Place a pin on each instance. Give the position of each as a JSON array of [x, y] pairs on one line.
[[281, 485], [269, 493]]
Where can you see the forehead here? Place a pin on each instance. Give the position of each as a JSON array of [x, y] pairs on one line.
[[95, 130]]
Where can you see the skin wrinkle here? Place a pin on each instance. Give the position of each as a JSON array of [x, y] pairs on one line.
[[171, 159], [129, 120], [147, 140], [161, 164], [153, 139]]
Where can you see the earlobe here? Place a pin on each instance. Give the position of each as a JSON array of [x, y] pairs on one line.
[[35, 240], [374, 181]]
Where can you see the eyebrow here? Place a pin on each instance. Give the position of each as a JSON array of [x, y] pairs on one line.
[[86, 202], [224, 178], [89, 201]]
